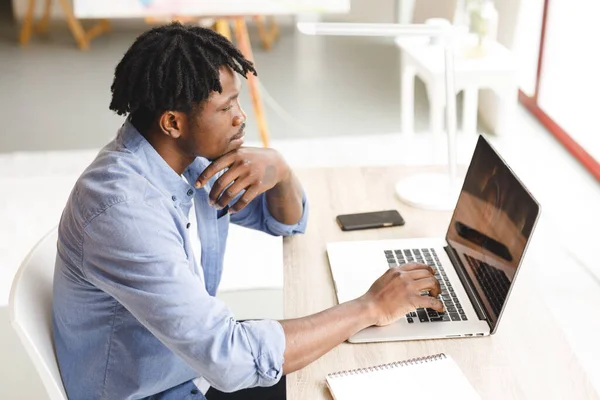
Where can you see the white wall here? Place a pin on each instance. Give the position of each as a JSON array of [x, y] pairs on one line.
[[519, 29], [570, 82], [368, 11]]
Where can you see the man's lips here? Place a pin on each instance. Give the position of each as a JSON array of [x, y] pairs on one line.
[[240, 134]]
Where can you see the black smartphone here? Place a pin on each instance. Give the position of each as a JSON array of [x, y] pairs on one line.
[[370, 220]]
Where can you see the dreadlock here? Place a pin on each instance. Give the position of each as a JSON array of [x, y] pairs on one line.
[[172, 67]]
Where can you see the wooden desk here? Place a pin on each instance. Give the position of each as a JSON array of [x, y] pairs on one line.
[[529, 357]]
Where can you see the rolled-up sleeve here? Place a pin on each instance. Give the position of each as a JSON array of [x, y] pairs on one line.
[[135, 254], [256, 215]]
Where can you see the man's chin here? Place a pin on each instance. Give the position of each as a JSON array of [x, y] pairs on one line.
[[229, 150], [236, 144]]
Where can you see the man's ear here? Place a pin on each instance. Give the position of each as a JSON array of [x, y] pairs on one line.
[[171, 123]]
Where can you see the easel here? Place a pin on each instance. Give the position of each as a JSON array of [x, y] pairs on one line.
[[243, 43], [82, 37], [269, 34]]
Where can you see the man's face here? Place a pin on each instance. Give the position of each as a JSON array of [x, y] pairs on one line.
[[217, 127]]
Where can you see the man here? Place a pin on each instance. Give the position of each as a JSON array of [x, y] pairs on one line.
[[142, 238]]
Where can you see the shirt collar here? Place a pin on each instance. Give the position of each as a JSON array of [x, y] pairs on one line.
[[158, 171]]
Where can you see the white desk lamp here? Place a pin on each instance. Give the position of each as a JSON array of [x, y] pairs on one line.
[[429, 191]]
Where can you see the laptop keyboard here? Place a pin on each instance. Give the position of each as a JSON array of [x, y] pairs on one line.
[[454, 310], [494, 282]]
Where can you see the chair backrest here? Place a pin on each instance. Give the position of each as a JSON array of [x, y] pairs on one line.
[[30, 308]]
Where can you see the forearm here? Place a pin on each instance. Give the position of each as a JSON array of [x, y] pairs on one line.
[[310, 337], [284, 200]]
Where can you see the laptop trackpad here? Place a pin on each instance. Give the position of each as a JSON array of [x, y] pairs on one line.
[[354, 276]]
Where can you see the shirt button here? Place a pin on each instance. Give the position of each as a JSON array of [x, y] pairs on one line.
[[190, 192], [173, 198], [188, 225], [194, 391]]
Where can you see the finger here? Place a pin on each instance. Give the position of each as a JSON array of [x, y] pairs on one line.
[[414, 266], [234, 190], [428, 302], [223, 182], [413, 271], [428, 284], [243, 201], [218, 165], [418, 274]]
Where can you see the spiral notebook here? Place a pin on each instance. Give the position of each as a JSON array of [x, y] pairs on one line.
[[418, 378]]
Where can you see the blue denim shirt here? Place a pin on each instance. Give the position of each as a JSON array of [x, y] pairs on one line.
[[131, 315]]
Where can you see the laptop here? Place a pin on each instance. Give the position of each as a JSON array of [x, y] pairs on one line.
[[476, 263]]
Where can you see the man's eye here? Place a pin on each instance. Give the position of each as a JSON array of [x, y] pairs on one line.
[[227, 108]]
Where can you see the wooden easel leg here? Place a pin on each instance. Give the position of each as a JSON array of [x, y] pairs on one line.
[[81, 36], [268, 35], [274, 28], [27, 24], [101, 27], [75, 26], [184, 20], [42, 25], [222, 27], [243, 42]]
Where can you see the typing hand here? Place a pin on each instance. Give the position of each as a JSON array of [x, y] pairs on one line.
[[399, 290]]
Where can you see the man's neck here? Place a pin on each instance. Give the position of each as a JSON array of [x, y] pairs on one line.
[[167, 149]]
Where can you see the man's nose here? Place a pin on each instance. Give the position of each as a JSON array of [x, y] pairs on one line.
[[239, 119]]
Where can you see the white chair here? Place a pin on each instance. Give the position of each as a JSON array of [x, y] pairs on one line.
[[30, 308], [30, 303]]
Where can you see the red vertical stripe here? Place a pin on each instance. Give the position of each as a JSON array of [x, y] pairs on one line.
[[531, 103], [567, 141]]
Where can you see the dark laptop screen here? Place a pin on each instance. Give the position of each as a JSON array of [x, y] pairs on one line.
[[491, 226]]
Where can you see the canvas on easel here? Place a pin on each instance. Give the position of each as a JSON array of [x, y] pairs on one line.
[[144, 8]]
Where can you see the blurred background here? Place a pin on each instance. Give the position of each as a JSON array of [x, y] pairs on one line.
[[526, 76]]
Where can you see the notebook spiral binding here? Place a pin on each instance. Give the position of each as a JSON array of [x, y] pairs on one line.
[[412, 361]]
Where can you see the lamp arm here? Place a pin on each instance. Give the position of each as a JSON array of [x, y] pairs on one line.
[[357, 29], [450, 108], [446, 33]]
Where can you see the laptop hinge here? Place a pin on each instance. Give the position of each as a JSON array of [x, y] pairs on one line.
[[467, 284]]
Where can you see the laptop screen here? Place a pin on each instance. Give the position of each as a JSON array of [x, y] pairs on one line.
[[491, 226]]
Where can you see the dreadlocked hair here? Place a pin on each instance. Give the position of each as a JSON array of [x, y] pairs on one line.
[[172, 67]]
